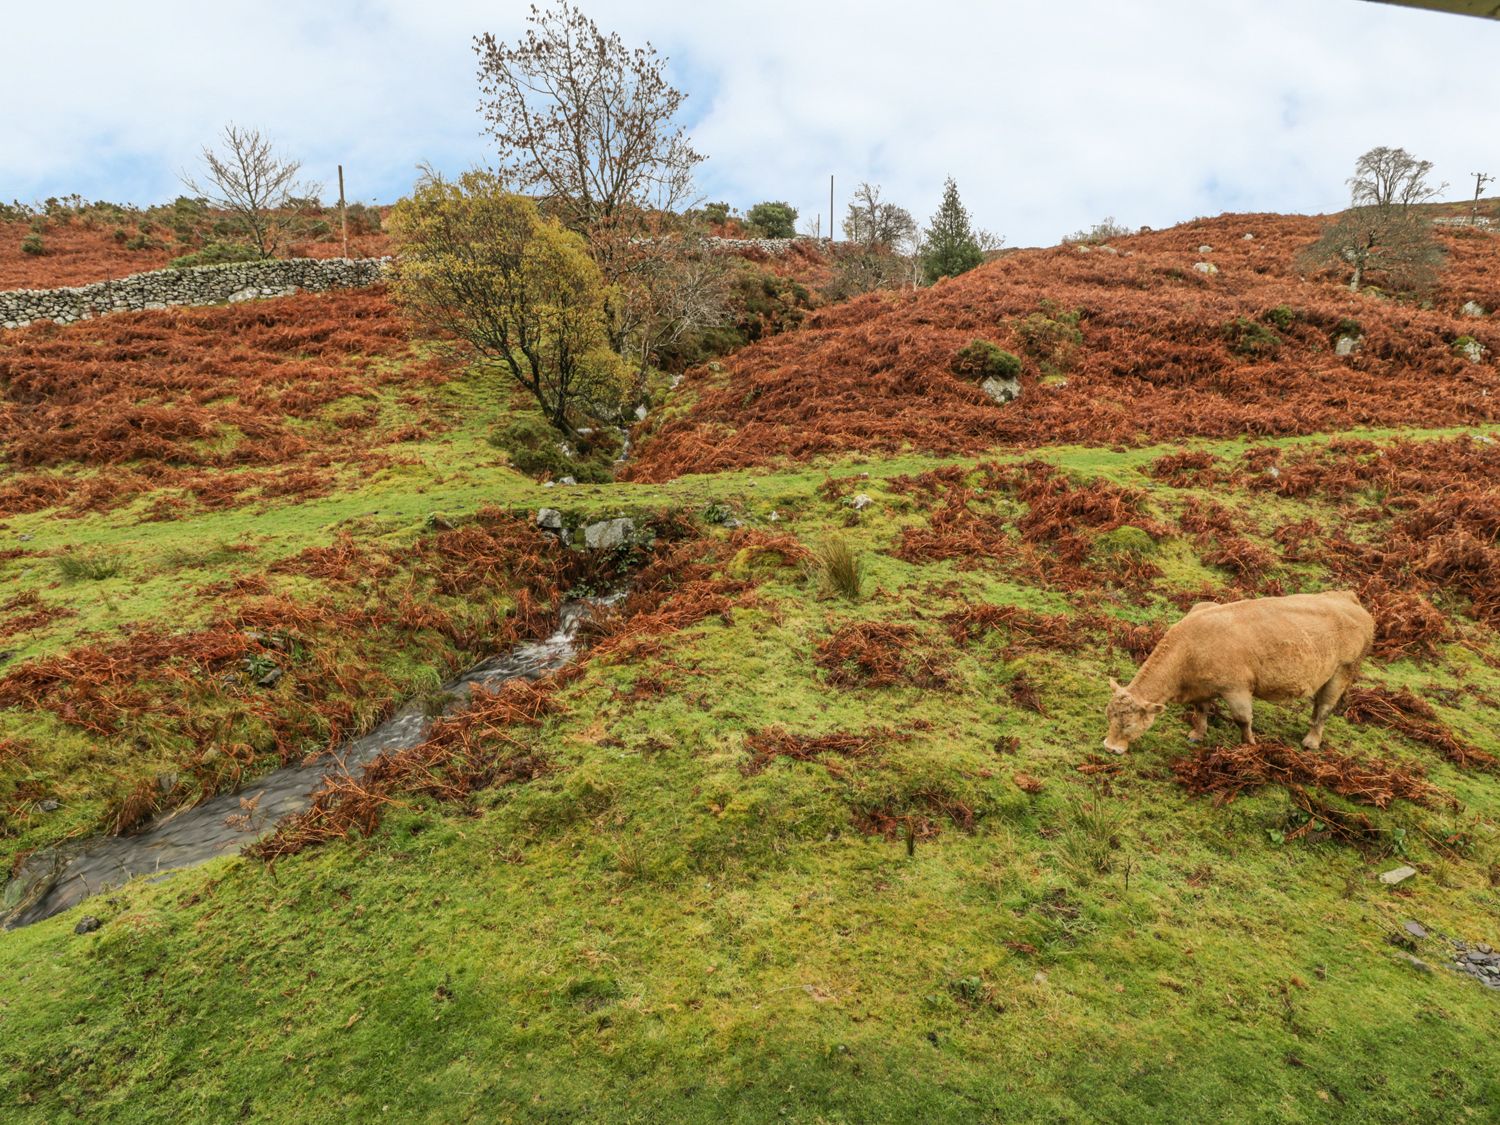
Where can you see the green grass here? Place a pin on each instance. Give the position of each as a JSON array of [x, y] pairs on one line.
[[648, 934]]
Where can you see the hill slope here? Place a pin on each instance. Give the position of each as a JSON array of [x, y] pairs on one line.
[[767, 851], [1158, 351]]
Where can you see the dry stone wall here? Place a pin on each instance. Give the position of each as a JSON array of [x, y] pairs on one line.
[[199, 285]]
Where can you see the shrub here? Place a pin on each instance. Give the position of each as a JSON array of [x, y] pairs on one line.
[[32, 244], [1251, 339], [1050, 336], [216, 253], [362, 219], [773, 219], [536, 449], [1102, 231], [840, 569], [983, 360], [1282, 316], [716, 214]]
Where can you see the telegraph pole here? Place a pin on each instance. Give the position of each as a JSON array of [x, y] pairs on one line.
[[1480, 179], [343, 215], [830, 212]]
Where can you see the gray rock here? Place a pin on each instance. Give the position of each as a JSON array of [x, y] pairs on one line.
[[1205, 249], [271, 678], [1416, 963], [859, 502], [1415, 929], [48, 805], [641, 412], [549, 519], [1471, 350], [1001, 391], [1206, 267], [568, 480], [1397, 875], [87, 924], [1247, 237], [607, 534], [1474, 308], [1347, 345]]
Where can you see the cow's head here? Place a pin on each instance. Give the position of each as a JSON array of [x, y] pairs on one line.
[[1128, 717]]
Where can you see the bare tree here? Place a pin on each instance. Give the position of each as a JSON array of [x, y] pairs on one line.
[[876, 224], [1391, 179], [1384, 231], [251, 182], [584, 121]]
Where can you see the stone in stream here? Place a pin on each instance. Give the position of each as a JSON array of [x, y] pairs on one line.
[[606, 535]]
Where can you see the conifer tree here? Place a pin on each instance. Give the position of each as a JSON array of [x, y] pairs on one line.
[[950, 248]]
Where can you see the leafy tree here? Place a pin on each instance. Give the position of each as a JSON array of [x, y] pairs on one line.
[[518, 292], [1384, 231], [774, 219], [587, 125], [253, 184], [950, 247], [584, 121]]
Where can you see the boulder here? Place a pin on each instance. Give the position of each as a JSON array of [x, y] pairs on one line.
[[1474, 308], [605, 535], [1001, 391], [1347, 345], [1206, 267], [549, 519]]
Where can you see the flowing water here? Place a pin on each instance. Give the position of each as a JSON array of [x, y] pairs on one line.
[[53, 881]]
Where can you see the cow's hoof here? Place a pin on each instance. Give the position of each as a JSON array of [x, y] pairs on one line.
[[1311, 743]]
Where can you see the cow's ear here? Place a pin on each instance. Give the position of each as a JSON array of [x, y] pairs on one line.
[[1114, 685]]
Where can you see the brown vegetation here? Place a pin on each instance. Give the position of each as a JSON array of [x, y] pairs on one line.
[[1154, 364], [1227, 771], [174, 397], [881, 654]]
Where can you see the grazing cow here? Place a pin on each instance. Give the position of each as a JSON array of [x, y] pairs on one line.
[[1278, 649]]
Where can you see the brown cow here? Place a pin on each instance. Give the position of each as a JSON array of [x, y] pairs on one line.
[[1278, 649]]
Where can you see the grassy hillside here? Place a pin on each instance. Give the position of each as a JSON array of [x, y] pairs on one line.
[[772, 849]]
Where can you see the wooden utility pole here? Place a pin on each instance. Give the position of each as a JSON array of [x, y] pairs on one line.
[[343, 215], [1480, 179]]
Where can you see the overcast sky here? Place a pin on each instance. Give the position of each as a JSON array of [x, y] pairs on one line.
[[1050, 115]]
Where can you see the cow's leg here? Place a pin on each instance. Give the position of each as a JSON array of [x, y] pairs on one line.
[[1323, 704], [1198, 716], [1241, 711]]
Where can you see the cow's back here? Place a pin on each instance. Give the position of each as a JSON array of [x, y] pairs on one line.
[[1278, 648]]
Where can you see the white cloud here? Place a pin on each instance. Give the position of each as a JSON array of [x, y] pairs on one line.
[[1049, 115]]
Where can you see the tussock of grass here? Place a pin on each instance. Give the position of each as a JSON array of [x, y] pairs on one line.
[[840, 569], [90, 566]]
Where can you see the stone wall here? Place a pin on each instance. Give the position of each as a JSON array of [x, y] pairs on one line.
[[200, 285]]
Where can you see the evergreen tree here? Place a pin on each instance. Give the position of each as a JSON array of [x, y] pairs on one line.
[[950, 248]]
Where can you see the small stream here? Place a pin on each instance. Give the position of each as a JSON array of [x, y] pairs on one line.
[[52, 881]]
